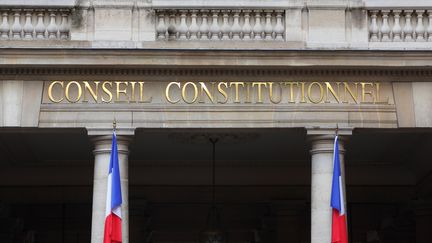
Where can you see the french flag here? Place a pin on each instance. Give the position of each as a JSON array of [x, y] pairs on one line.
[[339, 227], [113, 220]]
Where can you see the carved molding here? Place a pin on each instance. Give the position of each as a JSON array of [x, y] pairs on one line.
[[199, 74]]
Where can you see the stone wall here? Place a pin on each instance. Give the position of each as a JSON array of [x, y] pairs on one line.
[[164, 41]]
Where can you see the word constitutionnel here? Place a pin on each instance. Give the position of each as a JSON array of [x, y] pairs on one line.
[[217, 92]]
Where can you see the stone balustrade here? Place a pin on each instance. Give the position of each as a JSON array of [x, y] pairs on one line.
[[220, 25], [107, 23], [30, 24], [400, 25]]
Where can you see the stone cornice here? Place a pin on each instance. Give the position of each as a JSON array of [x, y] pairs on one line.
[[163, 65], [402, 60], [202, 74]]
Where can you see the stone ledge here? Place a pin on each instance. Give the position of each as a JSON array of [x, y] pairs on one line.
[[215, 45], [214, 58]]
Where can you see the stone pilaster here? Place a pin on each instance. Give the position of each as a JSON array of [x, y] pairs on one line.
[[20, 103], [102, 152]]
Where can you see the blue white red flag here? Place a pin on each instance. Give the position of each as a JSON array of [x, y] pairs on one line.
[[339, 227], [113, 218]]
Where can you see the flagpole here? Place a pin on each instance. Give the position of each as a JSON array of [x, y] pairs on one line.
[[113, 214], [339, 229], [114, 125]]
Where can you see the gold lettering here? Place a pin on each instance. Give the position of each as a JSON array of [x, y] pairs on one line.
[[220, 92], [236, 85], [107, 91], [271, 93], [378, 95], [320, 90], [167, 96], [79, 92], [121, 91], [50, 94], [184, 94], [302, 94], [223, 92], [142, 100], [132, 99], [89, 89], [209, 94], [291, 88], [330, 88], [354, 95], [259, 84], [364, 92]]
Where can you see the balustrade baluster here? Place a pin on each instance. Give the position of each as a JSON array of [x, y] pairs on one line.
[[385, 29], [247, 28], [268, 28], [396, 27], [225, 29], [193, 28], [420, 30], [183, 28], [236, 28], [28, 26], [429, 29], [408, 30], [64, 27], [52, 28], [16, 27], [40, 27], [204, 27], [214, 28], [257, 29], [374, 27], [172, 28], [279, 28], [161, 28], [4, 27]]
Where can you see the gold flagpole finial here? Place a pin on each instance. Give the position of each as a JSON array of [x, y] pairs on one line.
[[337, 129], [114, 124]]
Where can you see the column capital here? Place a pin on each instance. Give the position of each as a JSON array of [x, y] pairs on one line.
[[316, 130], [102, 144], [322, 139], [106, 129], [324, 144]]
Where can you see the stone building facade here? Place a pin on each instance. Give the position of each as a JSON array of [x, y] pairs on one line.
[[272, 80]]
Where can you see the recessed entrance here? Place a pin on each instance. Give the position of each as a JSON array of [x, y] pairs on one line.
[[262, 185]]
